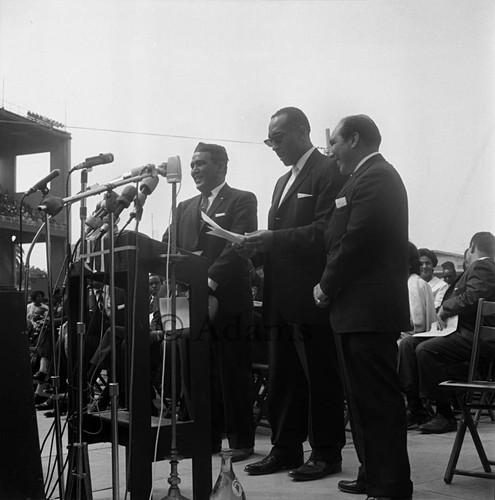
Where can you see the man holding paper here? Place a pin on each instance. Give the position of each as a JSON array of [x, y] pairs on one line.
[[424, 362], [305, 392], [229, 284]]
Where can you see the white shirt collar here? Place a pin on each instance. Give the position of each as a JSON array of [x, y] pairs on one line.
[[364, 159], [302, 161], [216, 190]]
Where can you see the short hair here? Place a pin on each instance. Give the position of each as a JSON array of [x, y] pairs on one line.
[[425, 252], [155, 277], [414, 263], [295, 117], [448, 264], [218, 153], [364, 126], [35, 293], [484, 242]]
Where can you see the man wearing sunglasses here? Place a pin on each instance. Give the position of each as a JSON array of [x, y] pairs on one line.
[[305, 396]]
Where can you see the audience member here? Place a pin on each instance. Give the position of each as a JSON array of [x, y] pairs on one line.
[[421, 301], [429, 261], [450, 277], [365, 285], [305, 393], [230, 290], [38, 331], [424, 363]]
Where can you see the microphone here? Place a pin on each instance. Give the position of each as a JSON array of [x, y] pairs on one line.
[[171, 169], [41, 185], [93, 161], [103, 208], [146, 187], [146, 169], [123, 202], [52, 205]]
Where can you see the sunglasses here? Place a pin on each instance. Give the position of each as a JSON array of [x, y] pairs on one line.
[[277, 138]]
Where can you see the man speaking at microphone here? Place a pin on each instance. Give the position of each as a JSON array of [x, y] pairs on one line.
[[229, 284]]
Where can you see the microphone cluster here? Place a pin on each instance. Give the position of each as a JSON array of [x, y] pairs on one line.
[[98, 223]]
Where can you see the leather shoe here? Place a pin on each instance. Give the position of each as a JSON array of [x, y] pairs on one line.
[[389, 498], [239, 454], [271, 464], [45, 406], [39, 376], [355, 486], [315, 469]]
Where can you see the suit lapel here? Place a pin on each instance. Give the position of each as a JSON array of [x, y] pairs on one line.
[[353, 178], [219, 199], [279, 189], [299, 179], [217, 202]]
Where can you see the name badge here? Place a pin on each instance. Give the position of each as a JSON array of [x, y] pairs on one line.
[[340, 202]]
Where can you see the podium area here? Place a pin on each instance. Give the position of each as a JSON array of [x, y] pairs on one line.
[[429, 455]]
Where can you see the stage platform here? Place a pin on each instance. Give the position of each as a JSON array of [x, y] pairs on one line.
[[428, 454]]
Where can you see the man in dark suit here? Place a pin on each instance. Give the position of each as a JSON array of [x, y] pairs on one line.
[[305, 392], [230, 287], [424, 363], [365, 285]]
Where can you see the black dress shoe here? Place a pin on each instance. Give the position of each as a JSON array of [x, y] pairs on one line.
[[271, 464], [389, 498], [355, 486], [47, 405], [240, 454], [315, 469], [39, 376]]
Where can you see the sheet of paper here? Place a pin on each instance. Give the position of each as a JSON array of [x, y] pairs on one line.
[[434, 332], [216, 230], [181, 313]]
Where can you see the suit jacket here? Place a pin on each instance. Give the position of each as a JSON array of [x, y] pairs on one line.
[[297, 258], [367, 264], [236, 211], [477, 282]]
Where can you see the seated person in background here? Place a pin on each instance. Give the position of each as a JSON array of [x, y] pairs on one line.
[[37, 320], [421, 301], [424, 362], [450, 277], [429, 261]]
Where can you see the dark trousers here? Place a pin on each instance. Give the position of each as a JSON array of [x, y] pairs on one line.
[[305, 395], [232, 380], [378, 417], [425, 362]]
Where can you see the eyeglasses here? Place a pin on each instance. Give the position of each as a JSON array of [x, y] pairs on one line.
[[276, 139]]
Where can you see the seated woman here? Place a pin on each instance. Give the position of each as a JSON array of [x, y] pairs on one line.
[[421, 300], [438, 286]]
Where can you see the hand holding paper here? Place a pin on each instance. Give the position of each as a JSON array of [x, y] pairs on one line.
[[216, 230], [437, 331]]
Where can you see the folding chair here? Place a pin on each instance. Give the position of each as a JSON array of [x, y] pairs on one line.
[[465, 393]]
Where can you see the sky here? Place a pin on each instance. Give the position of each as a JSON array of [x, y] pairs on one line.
[[149, 79]]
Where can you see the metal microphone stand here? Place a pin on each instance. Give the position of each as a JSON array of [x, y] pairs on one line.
[[55, 379], [174, 479], [79, 459], [113, 385]]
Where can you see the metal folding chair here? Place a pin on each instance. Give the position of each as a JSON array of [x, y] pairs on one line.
[[474, 395]]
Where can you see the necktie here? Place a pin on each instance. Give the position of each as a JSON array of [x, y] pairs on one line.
[[203, 206]]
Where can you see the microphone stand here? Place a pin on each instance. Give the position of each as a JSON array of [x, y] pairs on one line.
[[174, 479], [55, 378], [79, 459], [113, 385]]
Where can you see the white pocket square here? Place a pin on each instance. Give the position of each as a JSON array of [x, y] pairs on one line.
[[304, 195], [220, 215]]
